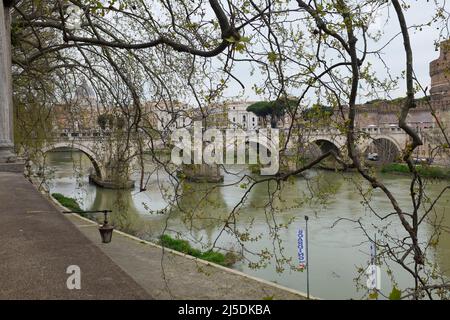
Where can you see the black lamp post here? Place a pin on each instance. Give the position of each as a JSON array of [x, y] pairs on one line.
[[106, 230]]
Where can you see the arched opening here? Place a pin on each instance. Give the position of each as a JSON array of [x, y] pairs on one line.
[[382, 151], [71, 147], [326, 146], [315, 149]]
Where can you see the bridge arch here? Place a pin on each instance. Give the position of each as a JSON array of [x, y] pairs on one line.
[[93, 157], [387, 147], [326, 145]]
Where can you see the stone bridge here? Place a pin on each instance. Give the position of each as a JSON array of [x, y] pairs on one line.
[[388, 143], [104, 152], [112, 159]]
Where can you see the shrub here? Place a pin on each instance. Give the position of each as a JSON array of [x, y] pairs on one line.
[[179, 245], [69, 203], [213, 256], [395, 167], [425, 171], [184, 246]]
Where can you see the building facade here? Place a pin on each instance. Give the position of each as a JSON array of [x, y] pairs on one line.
[[239, 117]]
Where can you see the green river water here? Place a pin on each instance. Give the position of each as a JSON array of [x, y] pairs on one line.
[[335, 253]]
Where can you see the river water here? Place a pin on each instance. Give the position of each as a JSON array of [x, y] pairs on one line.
[[336, 251]]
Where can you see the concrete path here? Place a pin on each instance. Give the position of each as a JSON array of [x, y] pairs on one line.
[[38, 243], [176, 276]]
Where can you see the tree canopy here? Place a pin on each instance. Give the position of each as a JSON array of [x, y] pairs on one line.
[[135, 51], [275, 109]]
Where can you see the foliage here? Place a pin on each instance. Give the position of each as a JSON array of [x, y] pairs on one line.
[[317, 112], [33, 94], [255, 168], [110, 121], [135, 51], [395, 294], [423, 170], [373, 295], [275, 109], [103, 120], [261, 108], [69, 203], [183, 246]]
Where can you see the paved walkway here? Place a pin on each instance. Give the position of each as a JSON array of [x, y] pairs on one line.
[[176, 276], [38, 243]]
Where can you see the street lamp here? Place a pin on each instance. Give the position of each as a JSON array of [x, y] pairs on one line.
[[106, 230]]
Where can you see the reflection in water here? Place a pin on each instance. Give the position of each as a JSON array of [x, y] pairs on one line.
[[200, 212]]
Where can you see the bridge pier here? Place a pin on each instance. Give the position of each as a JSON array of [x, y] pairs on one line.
[[290, 161], [112, 174], [111, 184], [201, 173]]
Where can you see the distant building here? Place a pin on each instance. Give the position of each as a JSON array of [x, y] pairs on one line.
[[239, 117], [440, 85], [228, 115], [166, 116], [79, 113], [440, 74], [84, 94]]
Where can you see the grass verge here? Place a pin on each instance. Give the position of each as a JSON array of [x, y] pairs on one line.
[[425, 171], [184, 246], [69, 203]]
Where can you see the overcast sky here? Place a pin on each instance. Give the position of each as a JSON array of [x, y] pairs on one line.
[[422, 42]]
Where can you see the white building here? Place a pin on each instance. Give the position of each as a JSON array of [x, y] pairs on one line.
[[239, 117]]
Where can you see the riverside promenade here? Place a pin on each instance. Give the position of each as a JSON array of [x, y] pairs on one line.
[[38, 243]]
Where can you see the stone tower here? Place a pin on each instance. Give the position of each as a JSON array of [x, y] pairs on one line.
[[440, 74]]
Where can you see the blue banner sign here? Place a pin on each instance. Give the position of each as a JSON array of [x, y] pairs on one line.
[[373, 252], [301, 247]]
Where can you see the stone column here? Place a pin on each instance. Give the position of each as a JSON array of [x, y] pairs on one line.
[[8, 160]]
